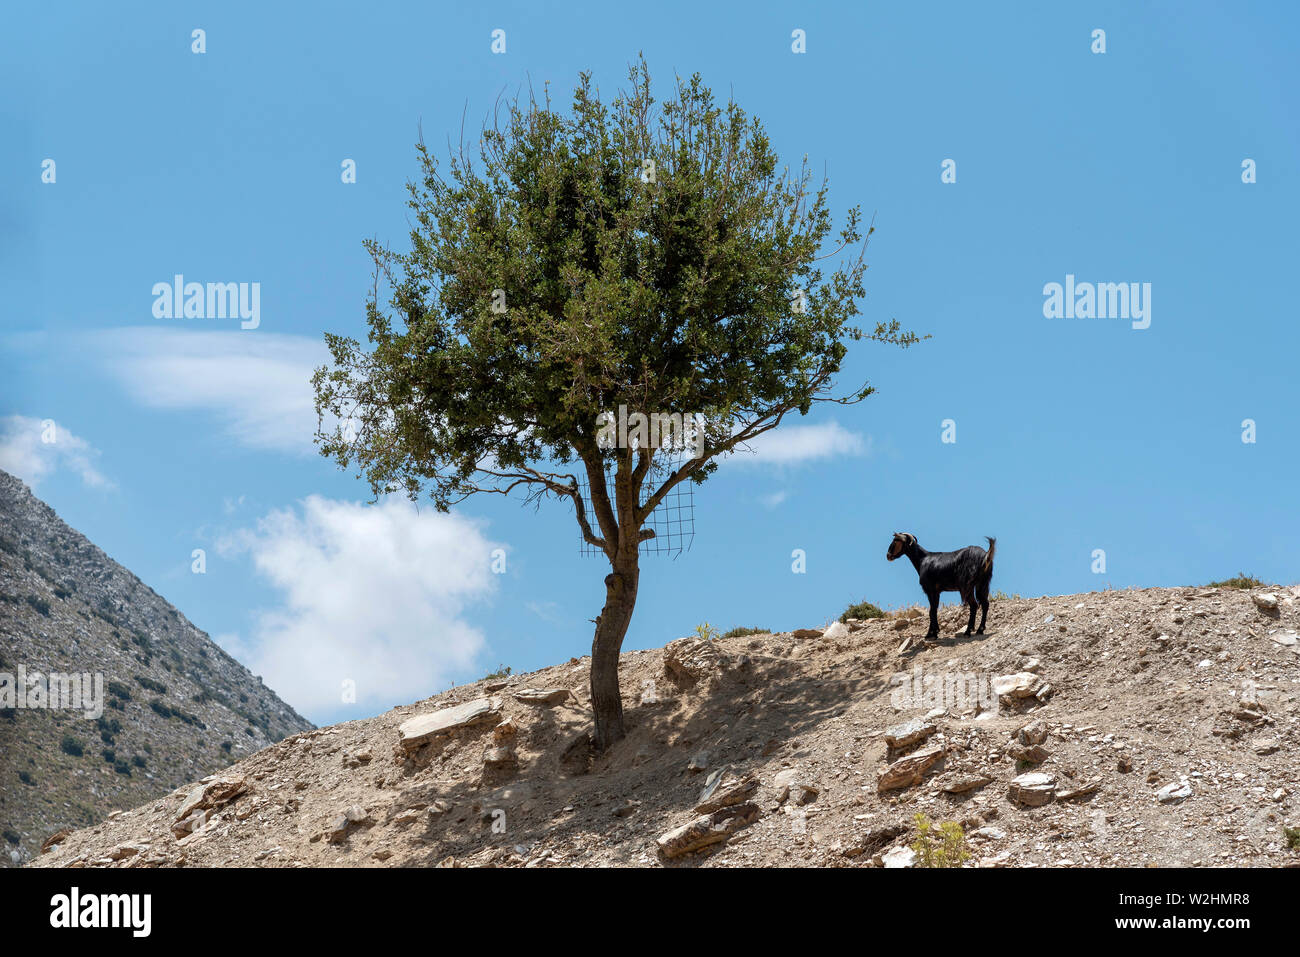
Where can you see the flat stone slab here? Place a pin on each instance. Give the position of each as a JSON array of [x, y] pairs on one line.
[[910, 733], [542, 695], [417, 731], [909, 770]]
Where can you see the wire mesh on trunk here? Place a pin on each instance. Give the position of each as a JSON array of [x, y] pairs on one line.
[[673, 520]]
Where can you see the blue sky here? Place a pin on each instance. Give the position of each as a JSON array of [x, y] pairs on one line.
[[1071, 434]]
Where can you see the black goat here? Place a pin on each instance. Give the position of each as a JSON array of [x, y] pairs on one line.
[[967, 570]]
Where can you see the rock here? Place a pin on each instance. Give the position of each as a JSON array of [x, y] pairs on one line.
[[899, 857], [909, 770], [357, 759], [836, 630], [959, 782], [628, 808], [875, 839], [1265, 601], [123, 851], [1173, 793], [506, 729], [1263, 746], [699, 763], [499, 757], [721, 792], [339, 827], [190, 824], [543, 696], [213, 794], [492, 687], [909, 733], [690, 659], [1083, 790], [418, 731], [1033, 789], [805, 633], [55, 839], [988, 834], [707, 830], [792, 782], [1033, 733], [1034, 754], [1023, 684], [1285, 638]]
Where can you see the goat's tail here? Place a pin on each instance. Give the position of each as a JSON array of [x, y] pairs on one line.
[[987, 567]]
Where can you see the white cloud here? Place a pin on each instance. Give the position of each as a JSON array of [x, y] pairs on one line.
[[774, 499], [33, 448], [257, 384], [372, 594], [793, 444]]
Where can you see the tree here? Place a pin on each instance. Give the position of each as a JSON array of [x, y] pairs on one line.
[[629, 254]]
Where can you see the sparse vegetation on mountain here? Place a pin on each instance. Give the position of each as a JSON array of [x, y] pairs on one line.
[[61, 769]]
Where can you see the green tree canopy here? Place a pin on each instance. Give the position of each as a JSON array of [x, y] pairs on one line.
[[651, 255]]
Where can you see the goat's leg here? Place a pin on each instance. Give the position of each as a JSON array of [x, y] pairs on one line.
[[969, 599], [982, 593], [934, 615]]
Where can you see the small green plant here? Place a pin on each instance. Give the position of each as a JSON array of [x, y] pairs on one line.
[[40, 604], [1241, 581], [70, 745], [706, 631], [862, 610], [942, 846], [503, 671], [1003, 596], [742, 631], [1292, 837]]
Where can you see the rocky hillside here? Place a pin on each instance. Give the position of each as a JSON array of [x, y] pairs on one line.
[[175, 706], [1145, 727]]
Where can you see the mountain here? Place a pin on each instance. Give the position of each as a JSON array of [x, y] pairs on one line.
[[174, 705], [1144, 727]]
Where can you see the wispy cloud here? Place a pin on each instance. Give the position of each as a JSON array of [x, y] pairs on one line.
[[369, 594], [794, 444], [258, 385], [32, 449]]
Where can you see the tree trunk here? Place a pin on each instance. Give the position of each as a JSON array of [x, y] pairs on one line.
[[611, 627]]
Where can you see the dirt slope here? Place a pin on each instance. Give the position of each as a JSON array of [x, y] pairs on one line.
[[1190, 694]]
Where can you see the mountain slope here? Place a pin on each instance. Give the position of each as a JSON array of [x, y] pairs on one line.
[[175, 705], [1164, 722]]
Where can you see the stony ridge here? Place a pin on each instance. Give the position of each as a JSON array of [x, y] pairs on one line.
[[1144, 727]]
